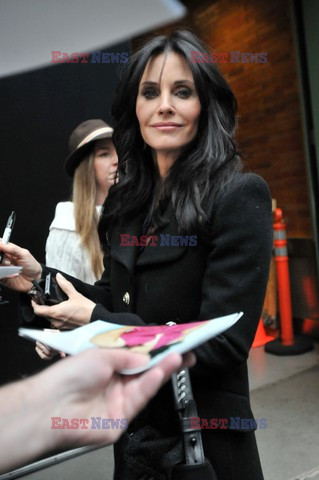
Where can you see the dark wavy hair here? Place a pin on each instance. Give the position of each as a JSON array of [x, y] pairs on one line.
[[206, 164]]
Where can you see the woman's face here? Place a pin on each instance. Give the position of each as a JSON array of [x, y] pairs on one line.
[[105, 163], [167, 105]]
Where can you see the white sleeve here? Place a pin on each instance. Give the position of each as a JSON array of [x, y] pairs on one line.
[[65, 252]]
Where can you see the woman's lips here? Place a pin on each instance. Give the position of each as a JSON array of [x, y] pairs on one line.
[[166, 126]]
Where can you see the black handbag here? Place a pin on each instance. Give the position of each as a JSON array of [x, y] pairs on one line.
[[195, 465]]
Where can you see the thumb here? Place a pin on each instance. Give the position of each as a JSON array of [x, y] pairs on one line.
[[65, 285]]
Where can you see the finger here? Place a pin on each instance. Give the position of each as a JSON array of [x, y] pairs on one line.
[[42, 354], [14, 275], [189, 360], [58, 324], [45, 349], [141, 390], [113, 361], [6, 261], [9, 258], [48, 351], [4, 281], [39, 352], [169, 365], [43, 310], [66, 286], [48, 312], [12, 249], [65, 325], [122, 359]]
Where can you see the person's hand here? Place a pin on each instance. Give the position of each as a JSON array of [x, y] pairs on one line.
[[47, 353], [88, 385], [76, 389], [71, 313], [31, 268]]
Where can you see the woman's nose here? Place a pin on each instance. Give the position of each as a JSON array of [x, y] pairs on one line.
[[115, 159], [165, 105]]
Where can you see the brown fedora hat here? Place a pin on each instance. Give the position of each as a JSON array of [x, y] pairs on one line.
[[80, 141]]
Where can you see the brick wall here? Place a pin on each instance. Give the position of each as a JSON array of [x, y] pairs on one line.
[[269, 127]]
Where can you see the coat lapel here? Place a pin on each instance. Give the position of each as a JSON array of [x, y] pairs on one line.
[[164, 251], [127, 254], [130, 256]]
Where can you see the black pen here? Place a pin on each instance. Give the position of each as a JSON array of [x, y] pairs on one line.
[[7, 231]]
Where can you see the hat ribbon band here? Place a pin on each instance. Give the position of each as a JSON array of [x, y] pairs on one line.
[[94, 134]]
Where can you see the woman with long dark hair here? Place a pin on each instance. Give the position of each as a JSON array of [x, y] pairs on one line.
[[187, 236]]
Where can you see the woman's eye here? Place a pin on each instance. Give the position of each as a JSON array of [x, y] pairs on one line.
[[184, 93], [149, 93]]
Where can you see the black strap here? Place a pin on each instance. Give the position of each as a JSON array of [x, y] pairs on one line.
[[186, 408]]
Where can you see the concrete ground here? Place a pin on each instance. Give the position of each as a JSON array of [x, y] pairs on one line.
[[284, 390]]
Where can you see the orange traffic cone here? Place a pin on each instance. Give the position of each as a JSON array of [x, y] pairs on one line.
[[261, 337], [288, 344]]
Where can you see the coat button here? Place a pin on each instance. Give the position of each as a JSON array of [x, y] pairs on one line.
[[126, 298]]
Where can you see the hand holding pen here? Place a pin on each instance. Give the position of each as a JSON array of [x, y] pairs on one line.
[[7, 232]]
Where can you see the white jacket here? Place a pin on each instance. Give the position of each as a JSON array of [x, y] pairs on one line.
[[64, 250]]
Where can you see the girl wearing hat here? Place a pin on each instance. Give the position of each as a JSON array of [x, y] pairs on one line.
[[73, 244], [180, 174]]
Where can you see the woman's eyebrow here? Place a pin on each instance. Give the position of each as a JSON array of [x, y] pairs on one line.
[[177, 82], [149, 82]]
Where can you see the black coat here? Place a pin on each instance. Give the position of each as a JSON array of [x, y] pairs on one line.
[[182, 284]]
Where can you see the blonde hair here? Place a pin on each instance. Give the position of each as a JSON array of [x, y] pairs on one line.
[[86, 217]]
